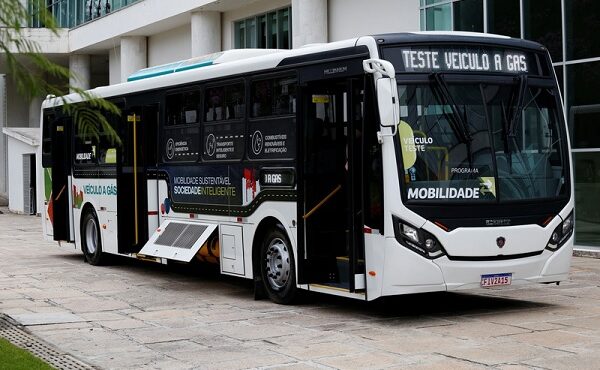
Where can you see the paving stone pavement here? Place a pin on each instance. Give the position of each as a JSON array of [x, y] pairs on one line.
[[133, 315]]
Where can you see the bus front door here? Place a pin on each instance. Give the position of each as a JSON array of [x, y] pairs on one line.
[[331, 210], [135, 210]]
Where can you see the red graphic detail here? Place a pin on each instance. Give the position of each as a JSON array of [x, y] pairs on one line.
[[51, 210], [250, 180]]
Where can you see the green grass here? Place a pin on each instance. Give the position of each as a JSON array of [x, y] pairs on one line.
[[15, 358]]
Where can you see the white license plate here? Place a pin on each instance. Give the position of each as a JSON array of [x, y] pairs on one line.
[[495, 280]]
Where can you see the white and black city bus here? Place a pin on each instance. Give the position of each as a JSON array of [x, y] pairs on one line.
[[376, 166]]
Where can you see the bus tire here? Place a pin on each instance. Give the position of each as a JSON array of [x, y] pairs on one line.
[[91, 242], [278, 268]]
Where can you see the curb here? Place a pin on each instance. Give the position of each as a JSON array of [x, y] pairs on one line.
[[588, 253], [20, 337]]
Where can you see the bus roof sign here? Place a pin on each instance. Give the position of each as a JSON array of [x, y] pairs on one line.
[[460, 59]]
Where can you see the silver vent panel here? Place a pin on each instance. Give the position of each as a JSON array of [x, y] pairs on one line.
[[181, 235], [178, 240]]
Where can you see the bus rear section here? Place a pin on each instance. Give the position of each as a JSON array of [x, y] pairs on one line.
[[477, 169]]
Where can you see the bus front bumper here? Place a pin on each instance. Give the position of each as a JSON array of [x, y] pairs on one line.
[[406, 272], [547, 267]]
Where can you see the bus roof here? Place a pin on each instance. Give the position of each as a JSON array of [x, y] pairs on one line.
[[234, 62]]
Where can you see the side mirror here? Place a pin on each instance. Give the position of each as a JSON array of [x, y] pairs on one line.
[[387, 100]]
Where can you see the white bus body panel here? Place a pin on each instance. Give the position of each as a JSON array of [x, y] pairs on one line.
[[405, 272], [481, 241], [101, 195], [231, 245], [546, 267], [153, 206], [374, 260]]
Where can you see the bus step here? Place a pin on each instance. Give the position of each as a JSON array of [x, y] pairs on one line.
[[343, 273]]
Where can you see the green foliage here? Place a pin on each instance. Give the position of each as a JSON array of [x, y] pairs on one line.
[[15, 358], [31, 71], [90, 117]]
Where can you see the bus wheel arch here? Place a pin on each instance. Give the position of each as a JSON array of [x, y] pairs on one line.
[[90, 236], [272, 243]]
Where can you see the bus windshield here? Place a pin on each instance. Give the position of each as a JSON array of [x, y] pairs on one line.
[[481, 141]]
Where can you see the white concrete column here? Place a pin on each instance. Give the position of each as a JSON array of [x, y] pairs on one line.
[[79, 64], [134, 55], [35, 109], [206, 33], [3, 143], [114, 65], [309, 22]]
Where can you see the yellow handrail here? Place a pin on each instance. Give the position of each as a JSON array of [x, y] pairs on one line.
[[315, 208]]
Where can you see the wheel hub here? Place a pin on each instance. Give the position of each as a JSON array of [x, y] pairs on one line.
[[91, 236], [277, 264]]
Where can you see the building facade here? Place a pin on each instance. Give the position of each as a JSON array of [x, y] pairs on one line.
[[569, 29], [105, 41]]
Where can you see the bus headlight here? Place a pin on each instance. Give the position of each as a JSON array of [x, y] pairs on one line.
[[417, 240], [561, 234]]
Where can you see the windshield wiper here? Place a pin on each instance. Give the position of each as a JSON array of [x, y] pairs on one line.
[[457, 121]]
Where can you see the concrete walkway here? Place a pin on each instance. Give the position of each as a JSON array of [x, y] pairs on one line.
[[139, 315]]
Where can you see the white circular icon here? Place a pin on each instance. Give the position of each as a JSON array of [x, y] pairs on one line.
[[257, 142], [170, 148], [211, 145]]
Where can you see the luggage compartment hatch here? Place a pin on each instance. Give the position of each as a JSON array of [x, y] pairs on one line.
[[178, 240]]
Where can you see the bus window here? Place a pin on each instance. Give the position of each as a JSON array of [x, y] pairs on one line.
[[222, 138], [86, 143], [183, 108], [224, 102], [107, 149], [274, 97]]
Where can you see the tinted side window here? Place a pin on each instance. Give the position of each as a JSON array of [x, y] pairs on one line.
[[108, 141], [274, 97], [86, 143], [224, 102], [183, 108], [272, 131]]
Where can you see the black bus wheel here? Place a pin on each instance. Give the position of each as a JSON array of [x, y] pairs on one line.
[[278, 270], [91, 243]]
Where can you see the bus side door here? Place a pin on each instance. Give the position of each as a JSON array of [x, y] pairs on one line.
[[135, 212], [331, 210]]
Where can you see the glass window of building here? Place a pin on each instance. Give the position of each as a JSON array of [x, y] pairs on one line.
[[71, 13], [271, 30], [448, 15], [583, 104], [582, 20], [542, 23], [438, 17], [583, 113], [587, 197], [468, 15], [503, 17], [560, 78]]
